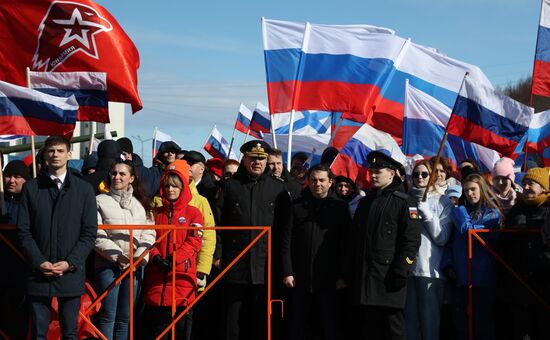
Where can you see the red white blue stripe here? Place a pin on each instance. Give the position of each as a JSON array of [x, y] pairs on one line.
[[489, 118], [538, 137], [330, 67], [89, 89], [425, 122], [28, 112], [261, 121], [352, 160], [242, 124], [159, 137], [541, 67], [217, 146]]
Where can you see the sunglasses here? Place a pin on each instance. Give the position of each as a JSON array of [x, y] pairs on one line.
[[423, 174]]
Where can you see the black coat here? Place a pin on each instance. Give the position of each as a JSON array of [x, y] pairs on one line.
[[385, 239], [55, 226], [247, 201], [149, 177], [314, 241], [524, 253]]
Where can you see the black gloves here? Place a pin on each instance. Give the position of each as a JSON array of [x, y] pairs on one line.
[[395, 280], [164, 265]]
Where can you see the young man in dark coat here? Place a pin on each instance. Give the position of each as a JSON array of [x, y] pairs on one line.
[[385, 240], [57, 226], [313, 246], [252, 197]]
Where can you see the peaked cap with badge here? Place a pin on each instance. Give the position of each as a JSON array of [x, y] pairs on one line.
[[255, 148], [378, 159]]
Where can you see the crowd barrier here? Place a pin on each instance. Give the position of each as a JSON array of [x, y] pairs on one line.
[[133, 264], [473, 234]]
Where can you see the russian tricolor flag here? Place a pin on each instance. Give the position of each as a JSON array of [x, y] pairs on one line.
[[217, 146], [89, 89], [431, 72], [28, 112], [425, 122], [486, 117], [352, 160], [261, 121], [538, 136], [304, 61], [541, 68], [242, 124]]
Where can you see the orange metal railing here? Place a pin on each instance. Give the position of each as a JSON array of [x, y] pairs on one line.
[[85, 316], [473, 234]]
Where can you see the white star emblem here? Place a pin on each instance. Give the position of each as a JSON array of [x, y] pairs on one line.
[[76, 17]]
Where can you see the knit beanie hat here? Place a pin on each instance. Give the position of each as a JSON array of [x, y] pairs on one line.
[[17, 168], [539, 175], [504, 167], [125, 144], [215, 166]]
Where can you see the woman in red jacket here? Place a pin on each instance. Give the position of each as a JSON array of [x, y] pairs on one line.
[[158, 286]]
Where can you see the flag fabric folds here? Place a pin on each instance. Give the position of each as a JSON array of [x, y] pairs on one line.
[[431, 72], [217, 146], [312, 145], [538, 136], [89, 89], [541, 67], [305, 123], [260, 122], [242, 124], [352, 160], [489, 118], [28, 112], [425, 122], [66, 36], [283, 47]]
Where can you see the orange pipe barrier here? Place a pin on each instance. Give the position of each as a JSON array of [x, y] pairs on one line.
[[474, 234], [225, 270], [130, 271]]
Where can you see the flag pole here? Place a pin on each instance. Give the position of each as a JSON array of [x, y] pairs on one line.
[[33, 148], [431, 181], [405, 109], [289, 152], [154, 146], [232, 140], [272, 128], [93, 128]]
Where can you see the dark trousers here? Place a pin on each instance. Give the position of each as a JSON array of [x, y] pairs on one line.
[[244, 311], [41, 308], [483, 312], [313, 313], [375, 322], [157, 319]]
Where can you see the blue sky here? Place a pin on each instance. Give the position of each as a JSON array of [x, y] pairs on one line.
[[200, 60]]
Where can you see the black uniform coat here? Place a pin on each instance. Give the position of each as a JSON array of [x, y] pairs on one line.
[[57, 225], [247, 201], [385, 238], [314, 241], [524, 253]]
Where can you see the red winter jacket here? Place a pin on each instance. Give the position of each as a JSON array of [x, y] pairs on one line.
[[158, 285]]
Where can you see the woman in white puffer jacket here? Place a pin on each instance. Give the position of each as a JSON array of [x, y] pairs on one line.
[[125, 203], [426, 285]]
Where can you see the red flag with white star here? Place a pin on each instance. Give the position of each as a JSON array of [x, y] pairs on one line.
[[65, 36]]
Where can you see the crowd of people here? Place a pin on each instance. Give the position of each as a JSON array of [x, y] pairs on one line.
[[385, 259]]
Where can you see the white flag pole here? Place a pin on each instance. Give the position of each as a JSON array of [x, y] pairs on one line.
[[405, 109], [33, 148], [93, 129], [272, 128], [153, 154], [289, 151]]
